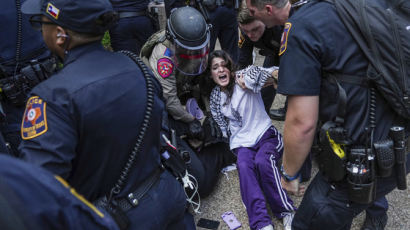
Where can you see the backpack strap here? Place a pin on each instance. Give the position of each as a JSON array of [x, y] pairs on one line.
[[342, 99]]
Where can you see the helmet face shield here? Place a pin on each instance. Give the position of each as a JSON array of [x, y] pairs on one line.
[[191, 60]]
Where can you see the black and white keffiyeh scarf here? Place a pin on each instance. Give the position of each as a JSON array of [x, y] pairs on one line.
[[254, 77], [215, 106]]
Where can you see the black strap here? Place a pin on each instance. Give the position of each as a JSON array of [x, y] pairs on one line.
[[144, 126], [342, 99], [132, 199], [130, 14], [351, 79]]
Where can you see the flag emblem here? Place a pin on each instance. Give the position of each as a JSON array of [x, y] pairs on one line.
[[52, 10]]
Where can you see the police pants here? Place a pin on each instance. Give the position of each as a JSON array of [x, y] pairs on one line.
[[327, 207], [163, 206], [131, 33], [207, 164], [225, 29]]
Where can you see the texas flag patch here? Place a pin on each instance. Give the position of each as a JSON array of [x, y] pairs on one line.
[[165, 67], [52, 10], [34, 120], [284, 40]]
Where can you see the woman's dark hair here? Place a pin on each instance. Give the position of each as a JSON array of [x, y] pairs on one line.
[[208, 83]]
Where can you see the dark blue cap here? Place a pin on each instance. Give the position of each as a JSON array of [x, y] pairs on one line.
[[82, 16]]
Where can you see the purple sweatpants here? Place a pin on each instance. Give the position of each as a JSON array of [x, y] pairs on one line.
[[259, 176]]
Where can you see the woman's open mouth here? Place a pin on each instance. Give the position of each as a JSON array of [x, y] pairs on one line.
[[223, 77]]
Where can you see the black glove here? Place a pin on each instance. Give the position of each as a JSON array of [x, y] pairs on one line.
[[195, 130], [213, 133], [172, 160]]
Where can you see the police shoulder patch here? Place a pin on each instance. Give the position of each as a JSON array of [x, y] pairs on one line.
[[34, 121], [284, 40], [165, 67]]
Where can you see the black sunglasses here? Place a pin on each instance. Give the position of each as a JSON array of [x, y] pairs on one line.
[[37, 23]]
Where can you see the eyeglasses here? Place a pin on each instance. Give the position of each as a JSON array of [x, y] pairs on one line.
[[37, 23]]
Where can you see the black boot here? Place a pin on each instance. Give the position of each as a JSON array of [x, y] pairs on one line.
[[277, 114], [375, 223]]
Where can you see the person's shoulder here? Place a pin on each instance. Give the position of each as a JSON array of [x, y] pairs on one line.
[[313, 13]]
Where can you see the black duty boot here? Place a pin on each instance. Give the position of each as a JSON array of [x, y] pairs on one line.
[[375, 223]]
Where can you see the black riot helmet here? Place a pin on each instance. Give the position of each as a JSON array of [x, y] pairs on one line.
[[189, 35]]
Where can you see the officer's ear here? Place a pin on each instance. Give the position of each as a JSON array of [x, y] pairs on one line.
[[61, 35], [269, 9]]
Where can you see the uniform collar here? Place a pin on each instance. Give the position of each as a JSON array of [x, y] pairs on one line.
[[81, 50]]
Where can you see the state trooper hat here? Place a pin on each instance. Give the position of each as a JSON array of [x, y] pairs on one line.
[[82, 16]]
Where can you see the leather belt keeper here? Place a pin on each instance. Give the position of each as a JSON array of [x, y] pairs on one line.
[[130, 14], [132, 199]]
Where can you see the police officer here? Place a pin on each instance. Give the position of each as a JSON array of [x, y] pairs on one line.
[[255, 34], [134, 25], [51, 202], [221, 14], [24, 61], [94, 123], [324, 46], [176, 56]]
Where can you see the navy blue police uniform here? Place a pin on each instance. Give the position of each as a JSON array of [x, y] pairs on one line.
[[19, 44], [51, 202], [171, 4], [84, 121], [134, 26], [224, 27], [269, 45], [320, 46]]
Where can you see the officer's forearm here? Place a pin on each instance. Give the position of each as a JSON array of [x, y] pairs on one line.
[[177, 111], [299, 131]]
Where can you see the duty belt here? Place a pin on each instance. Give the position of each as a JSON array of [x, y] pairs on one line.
[[14, 87], [132, 199], [130, 14]]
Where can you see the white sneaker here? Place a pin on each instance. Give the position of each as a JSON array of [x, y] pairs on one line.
[[268, 227], [287, 221]]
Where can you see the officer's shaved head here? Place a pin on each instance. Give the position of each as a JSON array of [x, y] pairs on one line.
[[261, 3]]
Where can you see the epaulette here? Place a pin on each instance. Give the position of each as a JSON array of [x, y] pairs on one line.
[[299, 3]]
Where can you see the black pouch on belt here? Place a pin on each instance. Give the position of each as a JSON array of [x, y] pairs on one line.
[[332, 157], [384, 157]]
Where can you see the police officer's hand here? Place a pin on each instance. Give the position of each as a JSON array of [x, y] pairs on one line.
[[213, 133], [293, 187], [195, 130]]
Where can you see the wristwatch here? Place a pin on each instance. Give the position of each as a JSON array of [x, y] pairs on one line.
[[287, 177]]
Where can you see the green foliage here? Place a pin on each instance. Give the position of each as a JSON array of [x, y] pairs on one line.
[[106, 41]]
